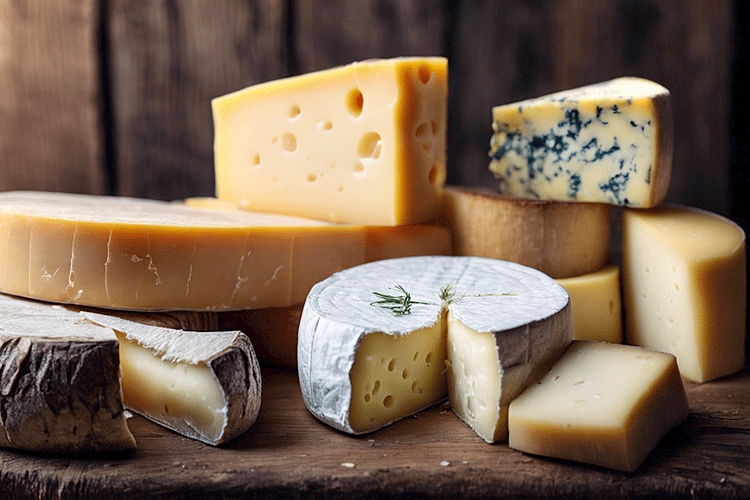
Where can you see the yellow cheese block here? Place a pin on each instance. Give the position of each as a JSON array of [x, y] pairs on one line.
[[559, 239], [597, 307], [602, 404], [684, 282], [363, 143], [124, 253]]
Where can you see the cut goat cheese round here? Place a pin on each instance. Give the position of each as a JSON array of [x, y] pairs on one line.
[[384, 340]]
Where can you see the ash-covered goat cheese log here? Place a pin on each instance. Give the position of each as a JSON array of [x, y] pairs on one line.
[[610, 142], [317, 145], [384, 340]]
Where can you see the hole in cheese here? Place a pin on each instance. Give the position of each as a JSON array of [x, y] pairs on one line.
[[312, 177], [354, 102], [392, 365], [358, 169], [325, 125], [434, 126], [424, 74], [388, 401], [289, 142], [433, 174], [405, 374], [369, 146], [294, 111], [422, 130], [256, 160], [376, 387]]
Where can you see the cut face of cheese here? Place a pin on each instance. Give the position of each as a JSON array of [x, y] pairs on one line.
[[559, 239], [597, 306], [60, 384], [122, 253], [602, 404], [366, 360], [203, 385], [610, 142], [328, 140], [684, 282]]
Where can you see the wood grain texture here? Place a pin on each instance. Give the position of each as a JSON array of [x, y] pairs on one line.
[[168, 60], [51, 135], [289, 454], [527, 49], [330, 33]]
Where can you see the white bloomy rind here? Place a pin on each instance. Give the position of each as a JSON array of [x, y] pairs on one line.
[[498, 299]]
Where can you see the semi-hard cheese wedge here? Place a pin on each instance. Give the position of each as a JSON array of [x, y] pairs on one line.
[[60, 381], [320, 145], [122, 253], [383, 340], [203, 385], [684, 284], [602, 404], [559, 239], [611, 142], [597, 305]]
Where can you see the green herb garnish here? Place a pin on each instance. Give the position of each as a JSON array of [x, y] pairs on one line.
[[399, 305]]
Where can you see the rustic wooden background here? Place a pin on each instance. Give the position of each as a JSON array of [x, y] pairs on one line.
[[112, 97]]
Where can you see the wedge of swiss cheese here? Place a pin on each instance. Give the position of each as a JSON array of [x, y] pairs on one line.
[[124, 253], [610, 142], [363, 143], [559, 239], [684, 282], [597, 305], [384, 340]]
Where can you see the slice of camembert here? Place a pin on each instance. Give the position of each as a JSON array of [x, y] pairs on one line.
[[60, 381], [124, 253], [372, 130], [602, 404], [559, 239], [684, 284], [203, 385], [384, 340], [610, 142]]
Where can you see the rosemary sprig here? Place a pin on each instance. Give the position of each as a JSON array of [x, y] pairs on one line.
[[399, 305]]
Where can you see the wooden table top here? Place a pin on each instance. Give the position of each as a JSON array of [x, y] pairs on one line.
[[289, 454]]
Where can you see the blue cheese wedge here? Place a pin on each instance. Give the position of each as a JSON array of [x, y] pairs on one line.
[[610, 142], [384, 340]]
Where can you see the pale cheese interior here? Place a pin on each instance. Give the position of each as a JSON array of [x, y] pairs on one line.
[[684, 281], [182, 395], [601, 403]]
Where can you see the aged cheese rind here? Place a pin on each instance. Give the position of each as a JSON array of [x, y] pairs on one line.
[[597, 305], [560, 239], [610, 142], [330, 139], [502, 300], [603, 404], [220, 364], [122, 253], [684, 281], [60, 382]]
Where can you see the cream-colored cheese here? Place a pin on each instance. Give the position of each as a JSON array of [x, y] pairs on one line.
[[362, 365], [610, 142], [559, 239], [603, 404], [684, 282], [597, 305], [330, 141], [125, 253]]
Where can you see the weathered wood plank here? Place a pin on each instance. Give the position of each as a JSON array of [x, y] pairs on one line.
[[169, 59], [330, 33], [50, 103], [525, 49]]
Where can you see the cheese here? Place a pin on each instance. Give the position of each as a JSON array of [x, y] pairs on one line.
[[60, 382], [602, 404], [328, 140], [610, 142], [203, 385], [123, 253], [597, 305], [362, 365], [684, 282], [559, 239]]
